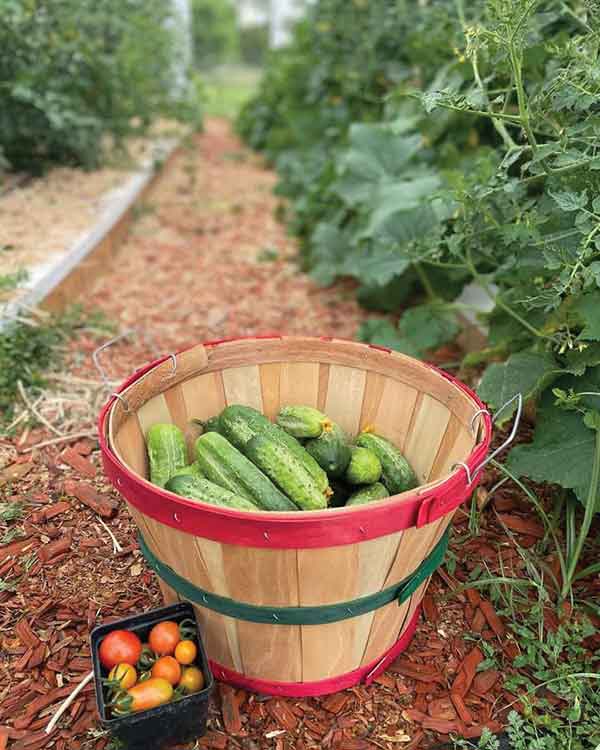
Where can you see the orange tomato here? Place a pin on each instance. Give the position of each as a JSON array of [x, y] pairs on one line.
[[119, 646], [168, 668], [192, 680], [148, 694], [123, 674], [186, 652], [164, 637]]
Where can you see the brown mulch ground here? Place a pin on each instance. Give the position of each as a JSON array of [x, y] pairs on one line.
[[199, 265]]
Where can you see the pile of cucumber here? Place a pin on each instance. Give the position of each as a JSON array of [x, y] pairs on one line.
[[303, 461]]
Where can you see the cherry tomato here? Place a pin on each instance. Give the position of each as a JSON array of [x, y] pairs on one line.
[[192, 680], [186, 652], [120, 646], [148, 694], [168, 668], [123, 675], [164, 637]]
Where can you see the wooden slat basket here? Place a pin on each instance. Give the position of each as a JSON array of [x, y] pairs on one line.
[[306, 559]]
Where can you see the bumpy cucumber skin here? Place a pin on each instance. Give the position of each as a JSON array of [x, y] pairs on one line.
[[364, 467], [193, 470], [196, 488], [239, 424], [368, 494], [302, 421], [223, 464], [397, 474], [331, 451], [286, 471], [167, 452]]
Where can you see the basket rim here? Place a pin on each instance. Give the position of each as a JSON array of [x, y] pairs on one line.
[[287, 529]]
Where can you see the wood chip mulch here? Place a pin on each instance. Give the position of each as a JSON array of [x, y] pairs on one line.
[[194, 268]]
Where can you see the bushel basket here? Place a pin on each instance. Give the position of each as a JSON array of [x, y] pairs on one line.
[[310, 602]]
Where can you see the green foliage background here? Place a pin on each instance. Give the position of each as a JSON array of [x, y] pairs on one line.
[[424, 146], [214, 32], [74, 71]]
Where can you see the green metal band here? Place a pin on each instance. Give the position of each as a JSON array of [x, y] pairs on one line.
[[297, 615]]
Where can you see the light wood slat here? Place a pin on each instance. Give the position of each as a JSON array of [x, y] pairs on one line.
[[385, 627], [270, 376], [299, 383], [242, 386], [456, 445], [216, 630], [154, 411], [374, 386], [261, 576], [179, 416], [422, 444], [393, 415], [345, 392], [327, 650], [327, 575], [271, 652], [204, 396], [375, 559], [323, 386], [130, 446]]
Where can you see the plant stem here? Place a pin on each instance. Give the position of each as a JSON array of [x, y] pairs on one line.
[[424, 279], [590, 509], [521, 96]]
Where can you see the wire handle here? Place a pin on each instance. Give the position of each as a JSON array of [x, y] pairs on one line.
[[518, 397], [107, 344]]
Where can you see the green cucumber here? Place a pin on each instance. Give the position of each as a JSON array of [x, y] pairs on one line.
[[289, 473], [330, 450], [167, 452], [224, 465], [196, 488], [364, 467], [303, 421], [239, 424], [397, 474], [368, 494], [193, 470]]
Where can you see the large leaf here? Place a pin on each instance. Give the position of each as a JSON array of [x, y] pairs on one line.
[[401, 211], [527, 373], [588, 310], [562, 452], [421, 329]]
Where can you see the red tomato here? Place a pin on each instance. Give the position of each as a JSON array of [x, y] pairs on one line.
[[168, 668], [119, 646], [164, 638], [185, 652]]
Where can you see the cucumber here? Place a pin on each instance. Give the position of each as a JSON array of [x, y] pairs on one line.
[[303, 421], [239, 424], [290, 474], [364, 467], [193, 470], [368, 494], [167, 452], [196, 488], [331, 451], [397, 474], [224, 465]]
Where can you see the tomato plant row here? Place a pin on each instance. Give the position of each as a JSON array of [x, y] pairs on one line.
[[425, 146]]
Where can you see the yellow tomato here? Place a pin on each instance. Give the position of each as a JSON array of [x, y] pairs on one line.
[[192, 680]]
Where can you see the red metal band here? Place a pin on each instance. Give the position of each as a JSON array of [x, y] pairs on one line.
[[321, 687], [325, 528]]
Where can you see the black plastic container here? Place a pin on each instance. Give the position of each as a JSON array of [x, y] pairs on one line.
[[174, 723]]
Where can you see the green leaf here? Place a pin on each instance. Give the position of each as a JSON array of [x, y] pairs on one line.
[[562, 451], [383, 333], [569, 200], [588, 309], [527, 373]]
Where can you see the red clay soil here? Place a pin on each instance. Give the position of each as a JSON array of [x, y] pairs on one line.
[[200, 264]]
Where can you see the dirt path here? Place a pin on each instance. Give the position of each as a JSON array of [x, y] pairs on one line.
[[206, 259]]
